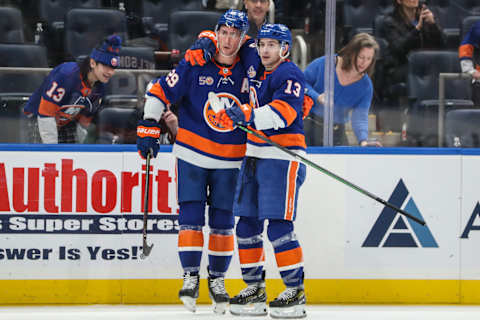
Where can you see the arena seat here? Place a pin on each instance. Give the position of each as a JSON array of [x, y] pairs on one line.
[[462, 129], [16, 88], [52, 14], [86, 28], [122, 89], [424, 68], [359, 15], [11, 25], [184, 27], [156, 14], [117, 125], [21, 55]]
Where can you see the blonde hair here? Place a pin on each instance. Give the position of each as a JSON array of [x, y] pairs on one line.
[[350, 52]]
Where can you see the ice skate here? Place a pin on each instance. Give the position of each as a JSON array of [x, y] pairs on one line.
[[290, 304], [189, 292], [218, 294], [251, 301]]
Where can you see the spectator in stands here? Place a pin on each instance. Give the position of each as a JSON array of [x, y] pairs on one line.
[[353, 91], [410, 26], [222, 4], [70, 96], [469, 54], [257, 14]]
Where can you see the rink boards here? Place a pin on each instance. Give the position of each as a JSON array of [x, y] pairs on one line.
[[71, 224]]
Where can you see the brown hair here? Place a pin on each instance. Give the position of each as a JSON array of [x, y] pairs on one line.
[[350, 52], [399, 10]]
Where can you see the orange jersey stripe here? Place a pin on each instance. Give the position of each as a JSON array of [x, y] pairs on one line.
[[221, 242], [289, 257], [286, 139], [157, 90], [286, 110], [291, 189], [465, 51], [252, 255], [190, 238], [208, 146], [47, 108]]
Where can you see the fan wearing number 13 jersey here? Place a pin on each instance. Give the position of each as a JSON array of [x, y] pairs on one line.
[[71, 95]]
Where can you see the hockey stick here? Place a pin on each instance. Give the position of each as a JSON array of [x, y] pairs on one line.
[[333, 175], [215, 103], [146, 249]]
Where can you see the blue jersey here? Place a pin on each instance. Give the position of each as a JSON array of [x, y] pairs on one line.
[[282, 90], [65, 96], [469, 48], [200, 140], [355, 97]]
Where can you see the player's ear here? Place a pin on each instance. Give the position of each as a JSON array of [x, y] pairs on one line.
[[93, 63], [286, 47]]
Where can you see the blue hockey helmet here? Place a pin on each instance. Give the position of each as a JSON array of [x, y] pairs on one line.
[[235, 19], [277, 31]]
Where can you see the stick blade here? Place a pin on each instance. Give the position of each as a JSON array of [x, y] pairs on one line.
[[214, 102], [146, 249]]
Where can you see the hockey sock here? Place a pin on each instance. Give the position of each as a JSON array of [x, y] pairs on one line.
[[220, 242], [190, 236], [288, 252], [250, 248]]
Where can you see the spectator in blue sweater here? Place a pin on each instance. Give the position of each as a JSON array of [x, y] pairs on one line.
[[353, 91]]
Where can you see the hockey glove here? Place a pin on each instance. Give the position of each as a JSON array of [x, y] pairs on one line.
[[307, 106], [223, 119], [148, 132], [242, 115], [203, 49]]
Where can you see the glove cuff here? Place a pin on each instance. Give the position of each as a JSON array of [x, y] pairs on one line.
[[148, 128]]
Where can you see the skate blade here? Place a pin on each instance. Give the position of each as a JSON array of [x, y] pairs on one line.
[[294, 312], [252, 309], [189, 303], [220, 308]]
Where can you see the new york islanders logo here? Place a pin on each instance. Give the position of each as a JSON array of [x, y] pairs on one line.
[[225, 101]]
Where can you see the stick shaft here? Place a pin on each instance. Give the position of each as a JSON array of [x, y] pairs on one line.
[[332, 175], [145, 200]]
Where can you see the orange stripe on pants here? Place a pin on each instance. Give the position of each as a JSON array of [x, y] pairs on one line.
[[252, 255], [291, 190], [190, 238], [221, 243], [289, 257]]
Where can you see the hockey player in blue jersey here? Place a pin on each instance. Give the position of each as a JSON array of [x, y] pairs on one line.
[[469, 54], [71, 94], [208, 155], [270, 179]]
